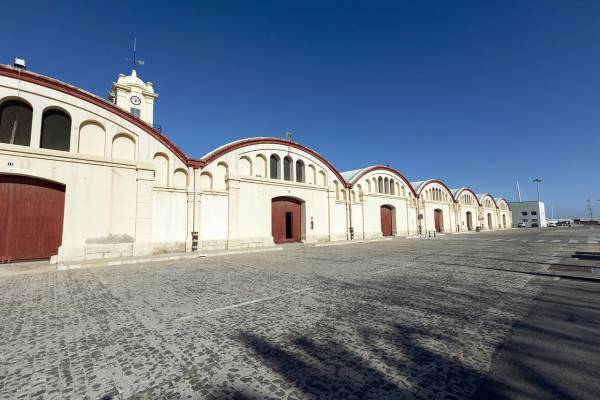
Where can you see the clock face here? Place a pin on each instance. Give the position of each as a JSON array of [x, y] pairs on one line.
[[135, 100]]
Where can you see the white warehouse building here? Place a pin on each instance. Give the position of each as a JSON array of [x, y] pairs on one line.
[[84, 178], [530, 213]]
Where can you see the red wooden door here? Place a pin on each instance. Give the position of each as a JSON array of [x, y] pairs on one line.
[[439, 223], [286, 219], [469, 221], [31, 218], [386, 221]]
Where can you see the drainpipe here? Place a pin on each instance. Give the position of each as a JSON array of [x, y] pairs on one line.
[[407, 218], [350, 231]]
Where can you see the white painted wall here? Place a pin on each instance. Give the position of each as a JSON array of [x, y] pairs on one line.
[[127, 193], [109, 209], [169, 218]]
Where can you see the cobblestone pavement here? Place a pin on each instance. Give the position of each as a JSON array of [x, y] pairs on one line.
[[398, 319]]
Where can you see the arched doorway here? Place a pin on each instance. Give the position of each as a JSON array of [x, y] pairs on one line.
[[469, 221], [387, 220], [31, 218], [504, 221], [489, 217], [438, 217], [286, 219]]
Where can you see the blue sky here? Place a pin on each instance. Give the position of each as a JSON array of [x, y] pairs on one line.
[[474, 93]]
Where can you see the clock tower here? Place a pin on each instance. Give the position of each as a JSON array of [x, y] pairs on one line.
[[134, 96]]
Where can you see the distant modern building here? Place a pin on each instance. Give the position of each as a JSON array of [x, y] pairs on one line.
[[531, 213]]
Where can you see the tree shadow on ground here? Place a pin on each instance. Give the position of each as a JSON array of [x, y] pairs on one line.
[[329, 370]]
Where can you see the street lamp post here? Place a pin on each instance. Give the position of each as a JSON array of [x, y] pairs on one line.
[[537, 182]]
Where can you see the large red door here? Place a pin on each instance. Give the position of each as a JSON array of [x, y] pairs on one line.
[[439, 220], [386, 220], [31, 218], [469, 221], [286, 219]]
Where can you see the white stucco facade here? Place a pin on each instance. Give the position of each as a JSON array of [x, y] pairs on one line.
[[129, 191]]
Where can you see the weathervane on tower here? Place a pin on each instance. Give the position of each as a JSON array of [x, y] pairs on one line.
[[134, 60]]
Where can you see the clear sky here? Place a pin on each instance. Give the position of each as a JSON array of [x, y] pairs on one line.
[[477, 93]]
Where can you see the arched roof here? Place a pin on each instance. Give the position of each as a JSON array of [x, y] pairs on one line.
[[63, 87], [352, 177], [420, 185], [481, 196], [458, 192], [499, 199], [218, 152]]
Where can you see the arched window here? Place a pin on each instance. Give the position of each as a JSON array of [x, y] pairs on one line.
[[206, 181], [161, 170], [380, 185], [403, 191], [15, 122], [56, 130], [261, 166], [274, 167], [386, 186], [360, 193], [180, 180], [392, 188], [322, 178], [245, 166], [91, 138], [221, 177], [312, 174], [287, 168], [123, 147], [299, 171], [337, 190]]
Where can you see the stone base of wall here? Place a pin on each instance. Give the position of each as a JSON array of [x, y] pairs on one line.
[[373, 235], [242, 243], [212, 245], [169, 247], [316, 239], [70, 254], [339, 236]]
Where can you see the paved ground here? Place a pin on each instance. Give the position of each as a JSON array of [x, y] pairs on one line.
[[554, 353], [400, 319]]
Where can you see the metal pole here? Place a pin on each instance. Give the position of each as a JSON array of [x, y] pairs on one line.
[[537, 182]]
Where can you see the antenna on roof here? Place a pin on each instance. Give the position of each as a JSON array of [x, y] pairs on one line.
[[288, 137], [134, 61]]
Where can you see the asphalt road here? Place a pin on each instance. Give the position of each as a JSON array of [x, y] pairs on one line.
[[456, 317]]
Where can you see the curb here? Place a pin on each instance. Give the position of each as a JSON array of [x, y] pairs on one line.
[[346, 242], [234, 252], [155, 259], [116, 262]]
